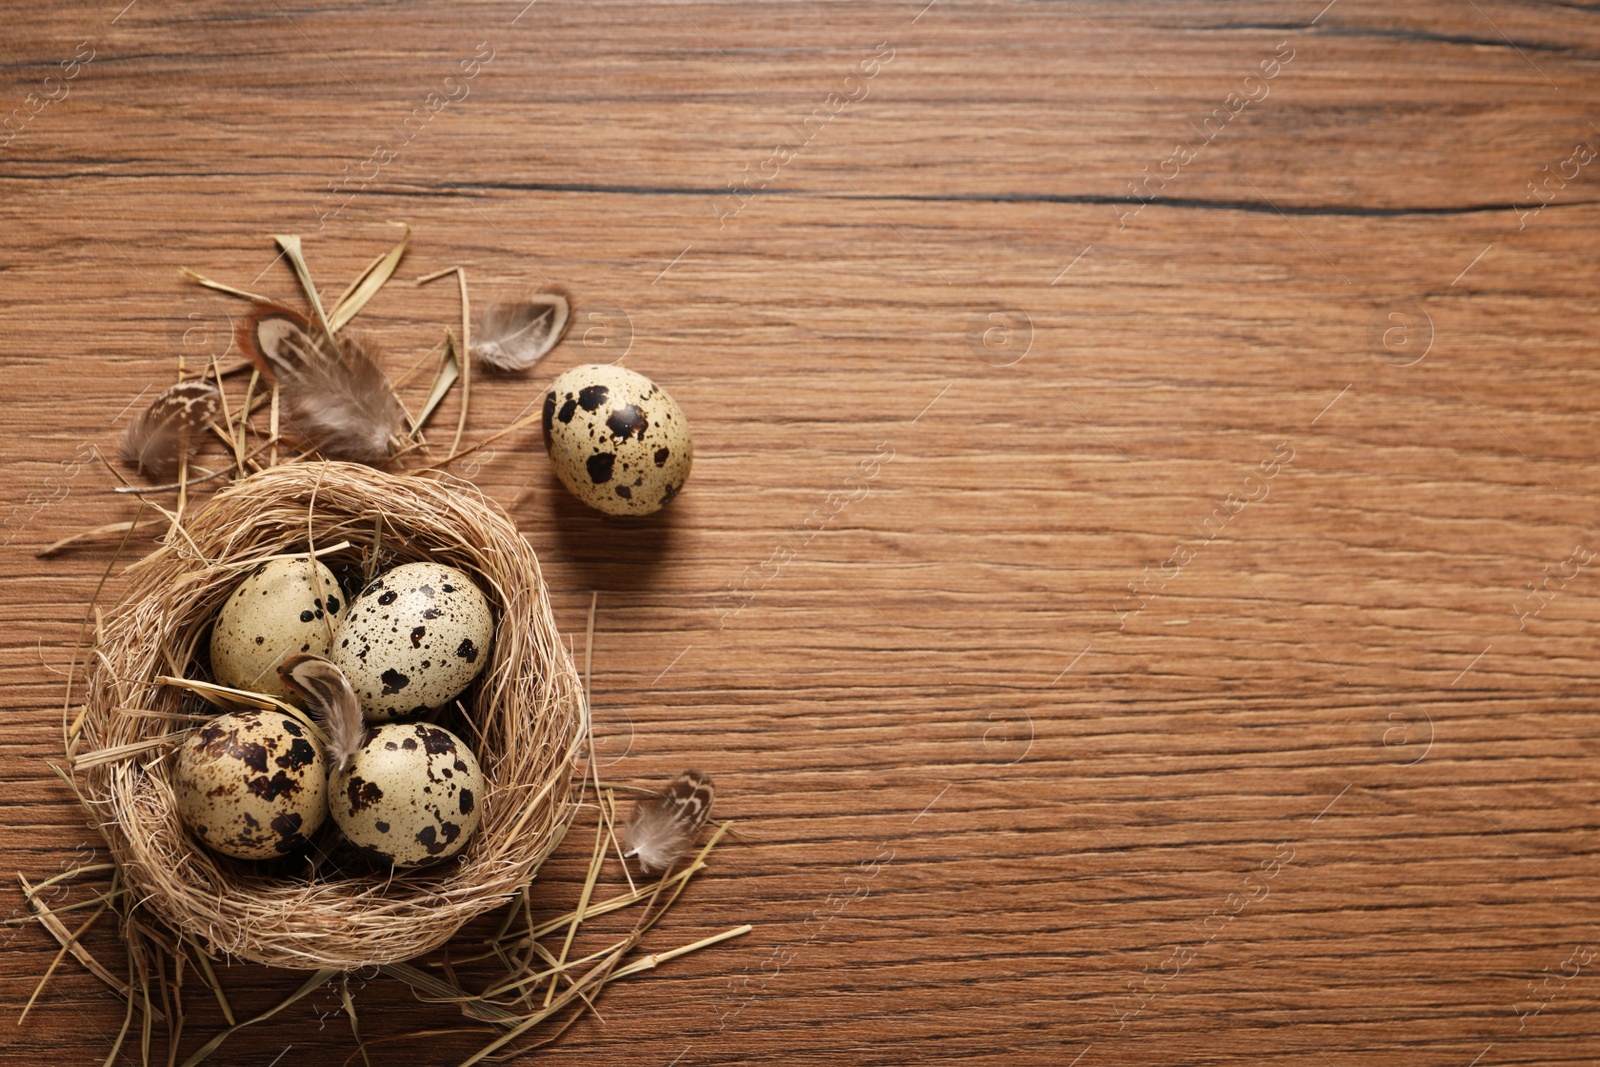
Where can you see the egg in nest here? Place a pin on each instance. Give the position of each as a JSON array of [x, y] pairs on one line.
[[414, 638], [411, 794], [619, 443], [251, 784], [283, 607]]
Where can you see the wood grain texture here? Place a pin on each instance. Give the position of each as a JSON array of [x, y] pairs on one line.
[[1172, 683]]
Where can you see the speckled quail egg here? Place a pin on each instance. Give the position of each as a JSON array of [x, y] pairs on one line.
[[413, 639], [413, 793], [618, 441], [282, 607], [251, 784]]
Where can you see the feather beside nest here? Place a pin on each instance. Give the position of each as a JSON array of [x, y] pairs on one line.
[[335, 397], [171, 428], [662, 828], [513, 335]]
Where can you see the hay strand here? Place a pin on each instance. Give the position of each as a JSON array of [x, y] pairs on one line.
[[220, 287], [366, 286], [449, 371], [63, 936], [463, 362], [67, 945], [211, 978], [304, 991], [109, 528], [292, 250], [582, 908]]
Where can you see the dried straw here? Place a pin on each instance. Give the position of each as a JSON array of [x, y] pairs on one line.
[[528, 711]]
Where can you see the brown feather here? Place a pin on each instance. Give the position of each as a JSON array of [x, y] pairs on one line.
[[515, 334], [329, 694], [336, 399], [171, 428], [244, 334], [662, 828]]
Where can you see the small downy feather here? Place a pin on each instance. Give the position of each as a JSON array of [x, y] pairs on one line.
[[328, 692], [337, 399], [171, 428], [515, 334], [662, 828]]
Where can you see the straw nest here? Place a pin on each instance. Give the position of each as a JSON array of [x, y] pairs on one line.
[[526, 722]]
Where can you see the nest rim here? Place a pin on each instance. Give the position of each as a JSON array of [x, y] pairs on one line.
[[529, 726]]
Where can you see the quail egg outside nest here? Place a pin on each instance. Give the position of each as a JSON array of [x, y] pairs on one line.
[[619, 443]]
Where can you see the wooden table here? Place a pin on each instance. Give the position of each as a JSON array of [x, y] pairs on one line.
[[1136, 593]]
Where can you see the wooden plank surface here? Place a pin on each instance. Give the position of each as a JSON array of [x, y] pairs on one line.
[[1204, 672]]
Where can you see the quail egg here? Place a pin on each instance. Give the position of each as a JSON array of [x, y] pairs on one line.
[[619, 443], [413, 639], [251, 784], [282, 607], [413, 793]]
